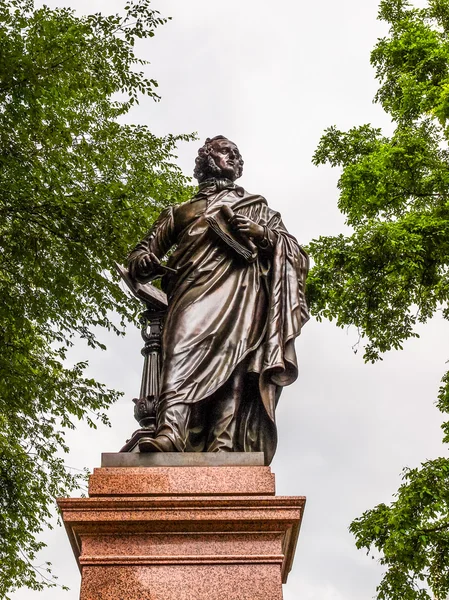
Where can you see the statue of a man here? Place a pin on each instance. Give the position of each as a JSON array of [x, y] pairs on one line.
[[235, 287]]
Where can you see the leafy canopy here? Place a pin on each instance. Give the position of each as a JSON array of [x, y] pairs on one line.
[[392, 272], [77, 188]]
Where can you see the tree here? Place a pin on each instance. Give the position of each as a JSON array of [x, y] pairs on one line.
[[392, 272], [77, 188]]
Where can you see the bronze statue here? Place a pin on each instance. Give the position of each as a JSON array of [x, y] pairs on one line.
[[235, 289]]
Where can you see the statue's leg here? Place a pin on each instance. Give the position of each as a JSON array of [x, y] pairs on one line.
[[172, 428], [208, 425], [223, 412]]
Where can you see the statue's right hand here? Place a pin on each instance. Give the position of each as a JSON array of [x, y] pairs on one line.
[[148, 263]]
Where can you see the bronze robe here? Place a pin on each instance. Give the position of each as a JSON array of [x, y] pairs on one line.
[[224, 311]]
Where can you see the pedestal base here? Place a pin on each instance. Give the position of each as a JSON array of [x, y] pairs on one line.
[[183, 533]]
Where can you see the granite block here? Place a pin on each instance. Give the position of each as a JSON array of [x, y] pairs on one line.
[[186, 582], [196, 546], [198, 481], [183, 533]]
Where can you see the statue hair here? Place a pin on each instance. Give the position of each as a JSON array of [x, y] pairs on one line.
[[205, 166]]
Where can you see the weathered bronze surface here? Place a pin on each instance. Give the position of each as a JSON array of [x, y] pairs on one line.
[[235, 289]]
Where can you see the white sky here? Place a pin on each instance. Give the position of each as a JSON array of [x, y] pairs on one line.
[[272, 77]]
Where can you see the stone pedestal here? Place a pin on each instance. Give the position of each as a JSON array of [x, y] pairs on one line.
[[210, 532]]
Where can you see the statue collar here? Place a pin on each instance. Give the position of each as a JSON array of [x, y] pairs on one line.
[[213, 186]]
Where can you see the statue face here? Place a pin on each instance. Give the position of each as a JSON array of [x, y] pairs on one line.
[[226, 156]]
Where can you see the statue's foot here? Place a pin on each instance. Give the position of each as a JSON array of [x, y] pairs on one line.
[[161, 443]]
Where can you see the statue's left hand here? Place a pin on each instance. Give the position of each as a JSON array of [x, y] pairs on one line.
[[247, 227]]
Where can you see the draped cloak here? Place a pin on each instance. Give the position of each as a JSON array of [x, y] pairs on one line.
[[225, 311]]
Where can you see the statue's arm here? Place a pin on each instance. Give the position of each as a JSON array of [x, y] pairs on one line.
[[267, 221], [267, 241], [144, 260], [254, 226]]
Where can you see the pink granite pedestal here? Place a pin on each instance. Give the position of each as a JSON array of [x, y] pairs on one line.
[[183, 533]]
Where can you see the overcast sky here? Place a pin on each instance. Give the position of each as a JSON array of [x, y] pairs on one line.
[[272, 77]]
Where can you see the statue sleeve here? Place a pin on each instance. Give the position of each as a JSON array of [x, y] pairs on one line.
[[260, 214], [159, 240]]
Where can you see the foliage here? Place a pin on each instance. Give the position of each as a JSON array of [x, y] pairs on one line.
[[392, 272], [77, 189], [412, 534]]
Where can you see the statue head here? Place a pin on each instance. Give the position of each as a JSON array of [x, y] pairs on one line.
[[219, 158]]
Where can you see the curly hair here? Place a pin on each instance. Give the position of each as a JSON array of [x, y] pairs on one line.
[[205, 166]]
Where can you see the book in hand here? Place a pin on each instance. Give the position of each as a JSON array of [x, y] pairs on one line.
[[219, 223], [152, 296]]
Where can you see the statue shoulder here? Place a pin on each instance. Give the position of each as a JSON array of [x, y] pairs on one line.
[[184, 213], [165, 215]]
